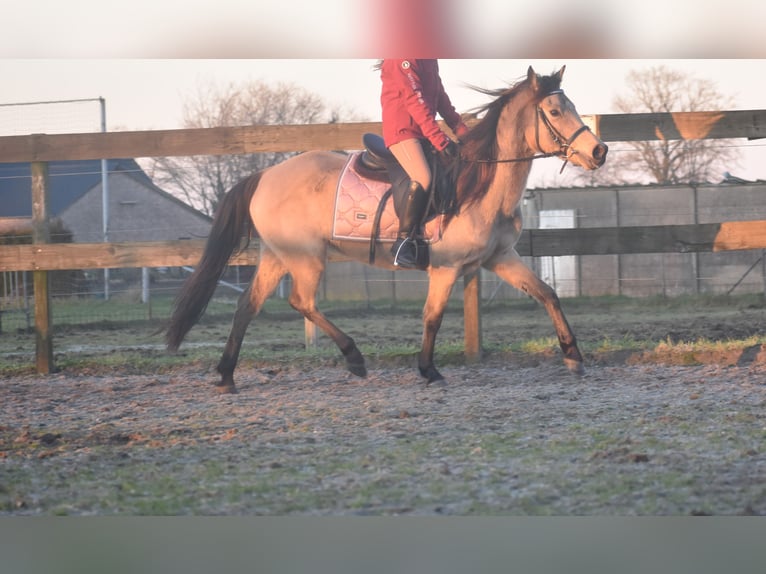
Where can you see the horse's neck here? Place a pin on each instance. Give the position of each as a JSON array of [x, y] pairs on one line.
[[510, 179], [507, 189]]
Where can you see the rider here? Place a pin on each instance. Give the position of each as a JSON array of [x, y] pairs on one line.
[[411, 95]]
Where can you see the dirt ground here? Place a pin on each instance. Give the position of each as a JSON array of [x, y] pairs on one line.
[[649, 431]]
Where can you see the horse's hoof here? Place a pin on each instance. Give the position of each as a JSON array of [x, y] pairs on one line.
[[575, 367], [226, 389], [433, 377], [437, 384], [358, 369]]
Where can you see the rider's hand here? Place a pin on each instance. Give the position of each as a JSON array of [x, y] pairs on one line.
[[449, 154], [461, 131]]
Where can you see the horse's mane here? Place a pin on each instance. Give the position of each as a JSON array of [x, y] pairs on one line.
[[481, 143]]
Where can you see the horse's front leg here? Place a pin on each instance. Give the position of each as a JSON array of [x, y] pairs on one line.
[[440, 285], [513, 270], [306, 273]]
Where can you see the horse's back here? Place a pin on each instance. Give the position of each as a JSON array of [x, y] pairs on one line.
[[296, 197], [305, 170]]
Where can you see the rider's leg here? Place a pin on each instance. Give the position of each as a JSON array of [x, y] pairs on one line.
[[410, 200]]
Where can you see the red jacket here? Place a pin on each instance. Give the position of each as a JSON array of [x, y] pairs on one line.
[[412, 94]]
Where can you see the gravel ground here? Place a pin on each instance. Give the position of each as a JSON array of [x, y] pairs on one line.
[[512, 435]]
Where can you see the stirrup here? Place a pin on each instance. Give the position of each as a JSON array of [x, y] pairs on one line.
[[405, 262]]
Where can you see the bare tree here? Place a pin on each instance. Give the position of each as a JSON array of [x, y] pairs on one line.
[[202, 180], [656, 90]]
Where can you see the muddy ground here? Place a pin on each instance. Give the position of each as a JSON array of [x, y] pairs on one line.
[[658, 429]]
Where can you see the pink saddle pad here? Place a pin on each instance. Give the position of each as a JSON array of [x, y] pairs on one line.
[[356, 201]]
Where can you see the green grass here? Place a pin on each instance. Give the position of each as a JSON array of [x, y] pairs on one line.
[[119, 334]]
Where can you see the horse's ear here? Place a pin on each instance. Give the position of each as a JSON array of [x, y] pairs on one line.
[[532, 79], [560, 73]]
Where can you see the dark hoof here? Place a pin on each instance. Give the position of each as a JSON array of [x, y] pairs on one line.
[[439, 384], [226, 389], [358, 369], [575, 367], [432, 376]]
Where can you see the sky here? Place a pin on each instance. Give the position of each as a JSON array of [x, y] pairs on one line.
[[146, 61]]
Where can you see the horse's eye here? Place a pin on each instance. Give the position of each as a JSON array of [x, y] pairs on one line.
[[555, 113]]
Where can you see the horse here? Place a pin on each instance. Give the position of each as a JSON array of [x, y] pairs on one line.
[[289, 206]]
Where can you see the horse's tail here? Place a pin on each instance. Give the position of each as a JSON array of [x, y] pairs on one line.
[[230, 224]]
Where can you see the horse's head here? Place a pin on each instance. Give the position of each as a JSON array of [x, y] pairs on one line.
[[558, 128]]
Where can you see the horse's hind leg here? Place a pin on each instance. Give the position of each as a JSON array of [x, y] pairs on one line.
[[266, 279], [306, 275], [515, 271]]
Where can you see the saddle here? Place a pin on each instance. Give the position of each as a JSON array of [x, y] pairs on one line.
[[377, 158], [363, 211]]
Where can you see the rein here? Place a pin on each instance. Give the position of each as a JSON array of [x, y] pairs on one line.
[[565, 144]]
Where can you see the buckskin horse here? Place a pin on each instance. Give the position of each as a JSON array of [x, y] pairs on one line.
[[290, 207]]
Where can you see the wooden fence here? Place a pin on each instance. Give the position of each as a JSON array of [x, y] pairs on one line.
[[41, 256]]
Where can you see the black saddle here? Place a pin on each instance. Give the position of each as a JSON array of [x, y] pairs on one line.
[[376, 156]]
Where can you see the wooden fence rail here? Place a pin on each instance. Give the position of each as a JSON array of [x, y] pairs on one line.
[[692, 238], [41, 148], [749, 124]]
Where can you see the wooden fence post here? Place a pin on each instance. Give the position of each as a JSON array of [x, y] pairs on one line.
[[472, 315], [310, 334], [41, 279]]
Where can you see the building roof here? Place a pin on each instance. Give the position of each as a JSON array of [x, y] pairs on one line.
[[727, 180], [68, 181]]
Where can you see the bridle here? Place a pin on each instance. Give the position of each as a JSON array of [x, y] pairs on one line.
[[565, 150]]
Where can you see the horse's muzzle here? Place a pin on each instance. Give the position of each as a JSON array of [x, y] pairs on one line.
[[599, 154]]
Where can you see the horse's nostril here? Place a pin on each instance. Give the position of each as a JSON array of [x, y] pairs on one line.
[[599, 153]]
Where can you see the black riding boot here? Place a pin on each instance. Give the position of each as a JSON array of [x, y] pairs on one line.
[[405, 248]]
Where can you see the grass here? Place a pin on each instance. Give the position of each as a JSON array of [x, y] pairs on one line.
[[387, 332]]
